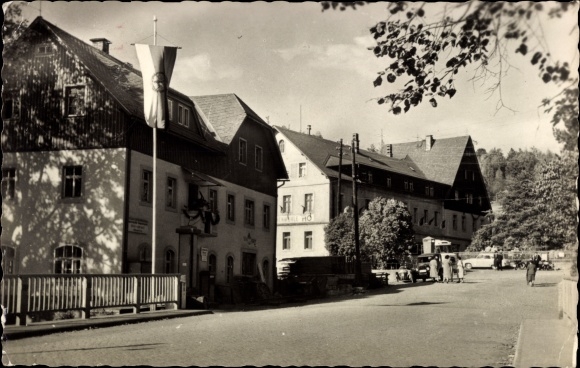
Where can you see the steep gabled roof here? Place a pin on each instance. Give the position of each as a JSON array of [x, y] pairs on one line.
[[121, 80], [226, 113], [440, 163], [324, 154]]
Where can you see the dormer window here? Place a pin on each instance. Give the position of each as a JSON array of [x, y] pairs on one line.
[[281, 146], [183, 116]]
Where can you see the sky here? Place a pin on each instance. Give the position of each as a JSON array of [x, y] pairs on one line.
[[295, 65]]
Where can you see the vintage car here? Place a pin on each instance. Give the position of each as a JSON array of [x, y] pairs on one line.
[[423, 268], [483, 260], [406, 272]]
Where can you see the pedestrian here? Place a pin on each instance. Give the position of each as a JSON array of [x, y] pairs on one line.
[[500, 261], [434, 268], [460, 270], [447, 270], [531, 272]]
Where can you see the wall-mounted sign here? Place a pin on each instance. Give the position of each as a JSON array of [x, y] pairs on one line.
[[138, 226], [284, 219], [203, 254]]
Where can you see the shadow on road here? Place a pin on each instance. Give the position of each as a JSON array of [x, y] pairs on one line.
[[135, 347], [417, 304], [546, 284]]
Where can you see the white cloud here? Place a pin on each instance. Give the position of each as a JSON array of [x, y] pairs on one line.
[[352, 57], [200, 67]]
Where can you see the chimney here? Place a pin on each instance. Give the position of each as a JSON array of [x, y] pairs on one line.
[[308, 127], [428, 142], [101, 44], [388, 150]]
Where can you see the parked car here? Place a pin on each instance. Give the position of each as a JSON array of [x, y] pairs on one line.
[[406, 273], [423, 268], [483, 260]]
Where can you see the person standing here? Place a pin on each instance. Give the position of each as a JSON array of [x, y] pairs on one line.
[[447, 270], [500, 261], [460, 270], [531, 272], [434, 269]]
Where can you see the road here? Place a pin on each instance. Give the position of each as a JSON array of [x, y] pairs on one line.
[[475, 323]]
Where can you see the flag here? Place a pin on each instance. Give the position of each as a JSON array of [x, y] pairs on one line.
[[156, 68], [443, 224], [431, 221]]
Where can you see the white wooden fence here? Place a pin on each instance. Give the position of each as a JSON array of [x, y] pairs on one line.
[[23, 295]]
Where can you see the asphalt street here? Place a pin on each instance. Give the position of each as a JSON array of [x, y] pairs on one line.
[[475, 323]]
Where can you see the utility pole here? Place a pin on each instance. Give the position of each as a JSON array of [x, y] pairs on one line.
[[339, 148], [357, 264]]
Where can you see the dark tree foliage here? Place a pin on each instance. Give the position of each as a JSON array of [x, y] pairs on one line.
[[428, 54], [14, 24]]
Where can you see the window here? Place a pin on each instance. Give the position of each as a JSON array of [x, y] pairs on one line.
[[285, 241], [8, 255], [308, 240], [192, 197], [170, 109], [469, 175], [456, 195], [302, 169], [248, 264], [474, 225], [145, 258], [469, 198], [389, 183], [411, 186], [367, 203], [266, 270], [426, 190], [44, 49], [171, 193], [463, 223], [454, 222], [72, 180], [75, 100], [432, 191], [8, 183], [146, 186], [308, 202], [182, 115], [436, 219], [266, 219], [229, 269], [169, 261], [231, 207], [243, 154], [213, 200], [212, 264], [67, 259], [425, 216], [281, 146], [480, 200], [249, 212], [286, 204], [415, 219], [11, 105], [259, 159], [406, 185]]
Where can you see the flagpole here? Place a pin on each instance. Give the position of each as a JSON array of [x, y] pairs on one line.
[[154, 221]]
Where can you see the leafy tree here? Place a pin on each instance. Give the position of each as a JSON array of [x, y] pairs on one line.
[[386, 229], [14, 24], [427, 51], [493, 169], [566, 113], [538, 203], [339, 235]]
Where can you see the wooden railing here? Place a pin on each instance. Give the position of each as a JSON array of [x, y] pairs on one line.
[[23, 295]]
